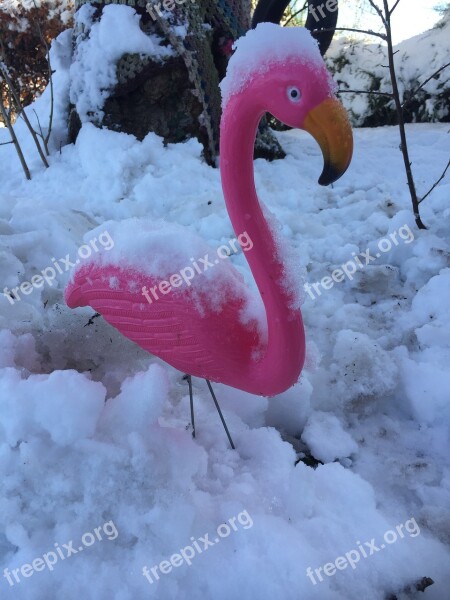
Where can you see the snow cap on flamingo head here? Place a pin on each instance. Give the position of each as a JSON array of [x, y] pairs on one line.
[[262, 48], [280, 70]]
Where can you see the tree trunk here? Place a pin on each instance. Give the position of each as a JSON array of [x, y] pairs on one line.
[[178, 98]]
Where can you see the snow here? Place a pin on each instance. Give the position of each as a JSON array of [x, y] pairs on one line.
[[100, 45], [327, 440], [34, 405], [261, 48], [359, 65], [170, 250], [94, 430]]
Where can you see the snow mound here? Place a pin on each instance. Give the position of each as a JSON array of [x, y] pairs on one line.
[[138, 405], [358, 361], [431, 309], [64, 404], [326, 437]]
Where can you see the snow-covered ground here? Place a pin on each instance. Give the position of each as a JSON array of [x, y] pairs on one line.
[[125, 481]]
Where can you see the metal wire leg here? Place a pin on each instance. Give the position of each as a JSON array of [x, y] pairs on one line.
[[220, 414], [191, 399]]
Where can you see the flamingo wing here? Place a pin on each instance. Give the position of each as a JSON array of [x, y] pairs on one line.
[[183, 327]]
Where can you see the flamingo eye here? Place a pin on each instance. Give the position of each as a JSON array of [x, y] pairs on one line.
[[294, 94]]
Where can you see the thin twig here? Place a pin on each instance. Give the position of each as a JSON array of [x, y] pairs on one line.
[[393, 8], [14, 139], [41, 133], [6, 143], [52, 104], [376, 92], [50, 80], [401, 122], [365, 31], [21, 112], [378, 11], [10, 103], [295, 14], [436, 183], [413, 93]]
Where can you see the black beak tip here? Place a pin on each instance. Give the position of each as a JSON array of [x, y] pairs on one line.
[[329, 174]]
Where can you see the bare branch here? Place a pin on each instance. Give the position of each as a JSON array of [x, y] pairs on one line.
[[14, 139], [365, 31], [375, 92], [414, 92], [295, 14], [436, 183], [52, 104], [50, 79], [21, 111], [40, 134], [401, 121], [379, 12], [10, 103], [393, 8]]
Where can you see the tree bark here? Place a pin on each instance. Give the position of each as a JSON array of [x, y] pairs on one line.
[[179, 98]]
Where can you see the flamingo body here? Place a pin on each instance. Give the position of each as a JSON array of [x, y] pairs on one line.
[[182, 328], [202, 330]]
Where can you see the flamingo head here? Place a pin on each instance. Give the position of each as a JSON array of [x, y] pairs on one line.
[[287, 77]]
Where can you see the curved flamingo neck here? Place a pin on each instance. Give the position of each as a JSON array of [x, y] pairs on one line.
[[284, 356]]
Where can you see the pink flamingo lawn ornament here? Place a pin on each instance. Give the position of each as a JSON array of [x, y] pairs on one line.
[[276, 70]]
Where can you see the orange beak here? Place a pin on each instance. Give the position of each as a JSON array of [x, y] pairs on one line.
[[329, 125]]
